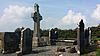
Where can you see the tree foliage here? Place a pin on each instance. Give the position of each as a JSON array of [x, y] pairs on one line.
[[72, 33], [62, 33]]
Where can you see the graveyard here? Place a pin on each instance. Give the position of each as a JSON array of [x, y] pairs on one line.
[[53, 42]]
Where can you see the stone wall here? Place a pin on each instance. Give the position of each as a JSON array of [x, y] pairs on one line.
[[64, 43]]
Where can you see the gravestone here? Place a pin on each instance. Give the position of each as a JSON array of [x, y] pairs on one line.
[[53, 36], [36, 18], [10, 42], [87, 37], [18, 31], [27, 41], [78, 40], [1, 41], [81, 37]]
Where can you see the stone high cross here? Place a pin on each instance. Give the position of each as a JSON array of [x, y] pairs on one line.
[[36, 18]]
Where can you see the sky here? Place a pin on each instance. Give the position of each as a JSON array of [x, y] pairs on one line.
[[63, 14]]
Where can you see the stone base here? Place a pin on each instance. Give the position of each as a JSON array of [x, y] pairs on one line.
[[19, 53], [26, 51], [35, 42], [4, 52]]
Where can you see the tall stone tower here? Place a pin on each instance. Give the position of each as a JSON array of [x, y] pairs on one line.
[[36, 33]]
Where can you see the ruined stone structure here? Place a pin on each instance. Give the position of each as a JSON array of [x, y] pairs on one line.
[[36, 18]]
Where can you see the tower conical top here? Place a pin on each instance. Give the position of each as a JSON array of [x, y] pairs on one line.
[[36, 7]]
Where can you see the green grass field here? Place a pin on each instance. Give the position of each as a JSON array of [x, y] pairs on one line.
[[98, 49], [97, 52], [97, 39]]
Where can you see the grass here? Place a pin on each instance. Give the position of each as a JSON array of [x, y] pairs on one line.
[[98, 52], [98, 49], [97, 38]]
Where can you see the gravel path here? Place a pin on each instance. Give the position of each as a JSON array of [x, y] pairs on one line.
[[51, 51], [46, 51]]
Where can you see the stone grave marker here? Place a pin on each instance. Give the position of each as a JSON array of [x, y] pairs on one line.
[[27, 41]]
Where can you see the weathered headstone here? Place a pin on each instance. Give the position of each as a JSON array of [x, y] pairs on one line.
[[18, 31], [86, 38], [10, 42], [81, 37], [53, 36], [27, 41], [1, 41], [89, 36], [36, 18], [78, 40]]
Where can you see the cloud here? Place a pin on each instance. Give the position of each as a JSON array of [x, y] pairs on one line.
[[96, 12], [71, 19], [48, 23], [15, 16]]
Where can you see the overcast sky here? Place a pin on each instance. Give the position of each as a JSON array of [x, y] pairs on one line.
[[63, 14]]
